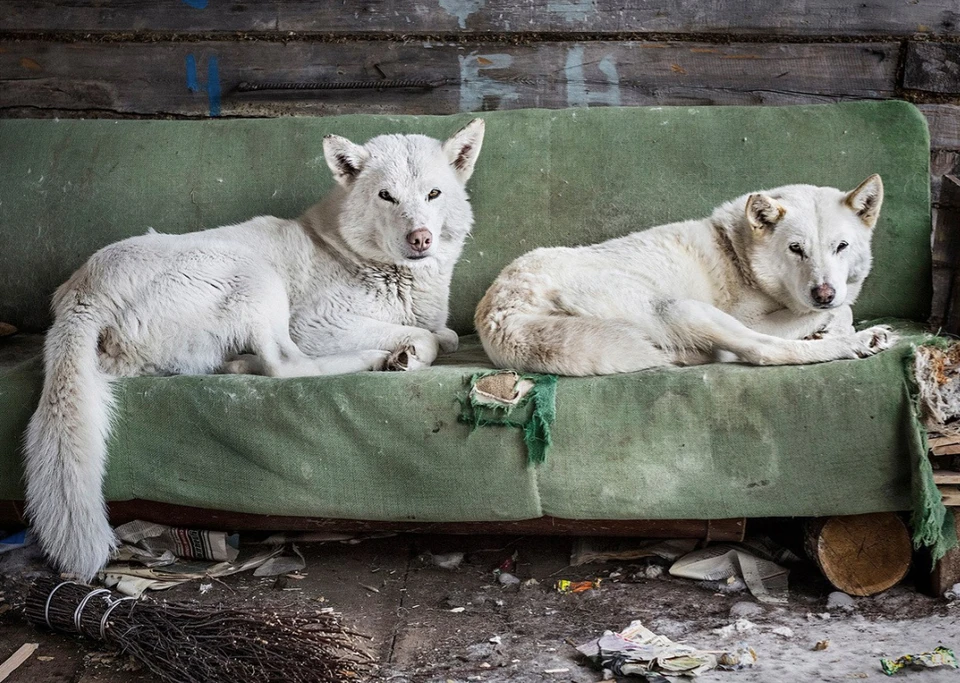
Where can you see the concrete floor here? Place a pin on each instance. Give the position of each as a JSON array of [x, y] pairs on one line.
[[389, 589]]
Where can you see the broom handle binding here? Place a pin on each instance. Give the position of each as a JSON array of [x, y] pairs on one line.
[[83, 603], [46, 609], [106, 615]]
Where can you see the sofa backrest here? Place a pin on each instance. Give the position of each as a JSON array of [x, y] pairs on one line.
[[545, 177]]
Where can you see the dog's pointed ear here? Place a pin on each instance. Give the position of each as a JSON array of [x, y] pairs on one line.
[[763, 212], [344, 158], [463, 148], [866, 200]]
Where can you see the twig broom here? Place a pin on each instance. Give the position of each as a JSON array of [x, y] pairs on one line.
[[184, 642]]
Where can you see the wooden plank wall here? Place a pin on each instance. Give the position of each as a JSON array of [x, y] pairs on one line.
[[199, 58]]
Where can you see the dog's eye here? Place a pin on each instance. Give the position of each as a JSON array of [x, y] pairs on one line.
[[434, 193], [387, 197], [842, 246], [796, 249]]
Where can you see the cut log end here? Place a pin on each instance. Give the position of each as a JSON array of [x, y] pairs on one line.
[[860, 554]]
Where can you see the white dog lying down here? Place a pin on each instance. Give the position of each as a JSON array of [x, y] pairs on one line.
[[757, 278], [359, 282]]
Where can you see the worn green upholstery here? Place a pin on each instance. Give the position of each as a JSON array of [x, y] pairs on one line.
[[705, 442]]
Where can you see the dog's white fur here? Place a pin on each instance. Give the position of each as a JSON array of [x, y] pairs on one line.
[[743, 281], [339, 290]]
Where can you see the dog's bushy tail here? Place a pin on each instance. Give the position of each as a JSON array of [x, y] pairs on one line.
[[66, 448], [568, 345]]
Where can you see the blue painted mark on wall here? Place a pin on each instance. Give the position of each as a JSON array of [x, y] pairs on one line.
[[462, 9], [475, 85], [578, 94], [196, 4], [212, 86]]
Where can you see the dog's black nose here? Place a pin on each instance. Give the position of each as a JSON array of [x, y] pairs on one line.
[[824, 294]]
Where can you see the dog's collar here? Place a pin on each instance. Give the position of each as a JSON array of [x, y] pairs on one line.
[[730, 249]]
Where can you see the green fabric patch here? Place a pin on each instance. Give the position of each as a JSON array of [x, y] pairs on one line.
[[482, 407]]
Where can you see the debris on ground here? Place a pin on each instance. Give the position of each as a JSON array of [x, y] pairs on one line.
[[13, 662], [729, 568], [940, 656], [737, 627], [838, 600], [740, 657], [507, 579], [447, 560], [566, 586], [604, 549], [151, 540], [821, 645], [952, 593], [639, 651]]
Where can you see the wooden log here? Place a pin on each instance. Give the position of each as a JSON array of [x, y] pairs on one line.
[[200, 518], [950, 494], [932, 67], [860, 554], [944, 122], [39, 78], [758, 17]]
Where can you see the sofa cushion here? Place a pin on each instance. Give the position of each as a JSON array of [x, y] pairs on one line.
[[706, 442], [544, 177]]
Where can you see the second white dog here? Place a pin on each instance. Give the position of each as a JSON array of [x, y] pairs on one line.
[[769, 277]]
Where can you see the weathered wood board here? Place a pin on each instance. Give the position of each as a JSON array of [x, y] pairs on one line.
[[932, 68], [754, 17], [201, 78]]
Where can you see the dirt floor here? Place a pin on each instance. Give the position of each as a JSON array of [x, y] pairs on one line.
[[389, 589]]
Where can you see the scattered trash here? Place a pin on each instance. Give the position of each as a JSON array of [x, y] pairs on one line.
[[556, 671], [838, 600], [565, 586], [604, 549], [821, 645], [195, 544], [729, 586], [205, 588], [782, 631], [495, 640], [742, 656], [507, 579], [638, 651], [952, 593], [372, 589], [284, 562], [752, 563], [653, 571], [940, 656], [739, 626], [447, 560], [455, 610], [530, 583], [133, 580]]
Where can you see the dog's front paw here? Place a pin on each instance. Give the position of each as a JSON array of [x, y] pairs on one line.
[[873, 340], [448, 340], [403, 358], [376, 360]]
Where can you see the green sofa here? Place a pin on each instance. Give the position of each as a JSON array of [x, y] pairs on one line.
[[709, 442]]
